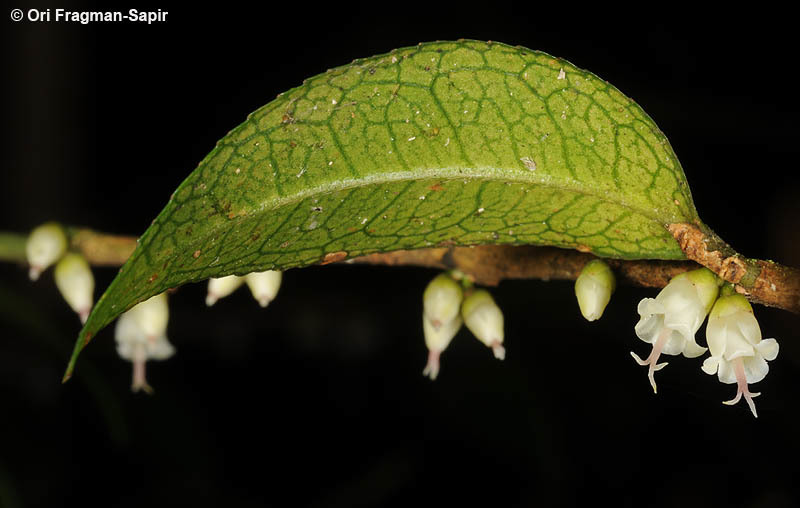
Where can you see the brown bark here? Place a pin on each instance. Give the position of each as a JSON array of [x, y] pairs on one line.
[[763, 282], [101, 249], [489, 264]]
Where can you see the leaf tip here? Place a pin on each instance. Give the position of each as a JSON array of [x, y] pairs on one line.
[[83, 339]]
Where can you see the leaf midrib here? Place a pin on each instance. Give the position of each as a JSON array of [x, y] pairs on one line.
[[448, 174]]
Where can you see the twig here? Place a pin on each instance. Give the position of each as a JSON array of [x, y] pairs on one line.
[[763, 282]]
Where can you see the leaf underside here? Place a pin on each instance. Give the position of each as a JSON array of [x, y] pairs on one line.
[[445, 143]]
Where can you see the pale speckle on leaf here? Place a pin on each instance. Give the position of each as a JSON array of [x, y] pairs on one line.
[[529, 163]]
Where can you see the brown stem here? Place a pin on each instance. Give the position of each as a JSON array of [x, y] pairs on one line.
[[489, 264], [101, 249], [763, 282]]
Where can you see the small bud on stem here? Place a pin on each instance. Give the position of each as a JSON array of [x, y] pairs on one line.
[[45, 245], [75, 281], [485, 320], [593, 289]]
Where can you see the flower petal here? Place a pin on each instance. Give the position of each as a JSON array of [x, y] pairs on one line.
[[725, 373], [675, 344], [768, 348], [650, 324], [711, 365], [755, 368], [692, 350], [716, 336], [160, 349], [748, 327], [649, 306], [737, 345], [677, 295]]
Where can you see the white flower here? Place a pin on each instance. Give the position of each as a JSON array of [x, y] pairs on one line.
[[670, 320], [222, 287], [437, 341], [593, 289], [264, 285], [141, 335], [441, 300], [441, 303], [75, 281], [485, 320], [46, 244], [738, 355]]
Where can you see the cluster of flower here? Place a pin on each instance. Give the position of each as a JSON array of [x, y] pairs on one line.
[[446, 306], [263, 285], [46, 245], [141, 332], [670, 321]]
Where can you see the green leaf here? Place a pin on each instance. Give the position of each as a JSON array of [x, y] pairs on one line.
[[453, 143]]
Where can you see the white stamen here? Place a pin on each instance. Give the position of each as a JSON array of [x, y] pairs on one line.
[[432, 368], [742, 388], [653, 357]]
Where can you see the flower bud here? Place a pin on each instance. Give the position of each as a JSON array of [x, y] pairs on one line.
[[264, 285], [485, 320], [222, 287], [441, 300], [46, 244], [141, 334], [670, 321], [593, 289], [437, 341], [738, 355], [75, 281]]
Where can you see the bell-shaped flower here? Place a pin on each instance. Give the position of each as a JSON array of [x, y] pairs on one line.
[[437, 341], [441, 300], [738, 355], [264, 285], [593, 289], [141, 335], [485, 320], [222, 287], [441, 303], [75, 281], [670, 320], [45, 245]]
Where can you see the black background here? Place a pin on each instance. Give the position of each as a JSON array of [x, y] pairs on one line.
[[318, 399]]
